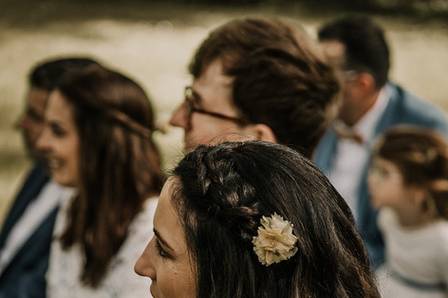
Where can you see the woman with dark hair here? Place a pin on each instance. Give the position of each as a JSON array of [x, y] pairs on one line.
[[98, 140], [252, 219]]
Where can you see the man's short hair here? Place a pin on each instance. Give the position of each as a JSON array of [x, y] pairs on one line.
[[366, 48], [47, 74], [280, 77]]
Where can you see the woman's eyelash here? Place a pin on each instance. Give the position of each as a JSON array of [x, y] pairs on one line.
[[161, 251], [57, 130]]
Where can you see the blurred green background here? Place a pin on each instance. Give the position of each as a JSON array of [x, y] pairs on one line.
[[153, 41]]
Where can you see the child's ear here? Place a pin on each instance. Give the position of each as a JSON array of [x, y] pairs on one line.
[[419, 196]]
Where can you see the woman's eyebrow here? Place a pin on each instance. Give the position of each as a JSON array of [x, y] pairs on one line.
[[160, 238]]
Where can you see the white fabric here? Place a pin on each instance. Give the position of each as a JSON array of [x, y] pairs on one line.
[[121, 281], [49, 197], [351, 157], [419, 255]]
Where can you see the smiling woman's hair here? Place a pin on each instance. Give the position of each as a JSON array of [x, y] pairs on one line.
[[47, 74], [119, 163], [223, 192]]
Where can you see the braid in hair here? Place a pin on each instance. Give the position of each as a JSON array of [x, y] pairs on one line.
[[223, 191], [220, 192]]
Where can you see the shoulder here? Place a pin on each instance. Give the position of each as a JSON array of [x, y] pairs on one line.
[[33, 182], [325, 149], [441, 243], [442, 236], [417, 110]]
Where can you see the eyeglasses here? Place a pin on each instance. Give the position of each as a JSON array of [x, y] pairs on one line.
[[191, 98], [350, 75]]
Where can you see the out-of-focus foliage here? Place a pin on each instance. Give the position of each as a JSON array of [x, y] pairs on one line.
[[422, 6], [425, 7]]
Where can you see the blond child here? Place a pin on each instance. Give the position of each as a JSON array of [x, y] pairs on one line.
[[408, 182]]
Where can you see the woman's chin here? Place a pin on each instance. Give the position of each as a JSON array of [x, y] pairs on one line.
[[376, 204], [61, 180]]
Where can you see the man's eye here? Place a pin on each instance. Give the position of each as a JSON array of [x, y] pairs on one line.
[[34, 116]]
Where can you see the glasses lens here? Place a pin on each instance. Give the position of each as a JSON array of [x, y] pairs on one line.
[[189, 99]]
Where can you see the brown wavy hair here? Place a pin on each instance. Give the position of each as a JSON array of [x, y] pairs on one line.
[[280, 78], [223, 192], [421, 155], [120, 164]]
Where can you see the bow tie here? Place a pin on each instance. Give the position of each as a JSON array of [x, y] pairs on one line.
[[345, 132]]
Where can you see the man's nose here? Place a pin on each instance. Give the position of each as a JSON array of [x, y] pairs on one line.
[[179, 117]]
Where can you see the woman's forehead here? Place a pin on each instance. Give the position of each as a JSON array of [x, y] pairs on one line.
[[166, 219]]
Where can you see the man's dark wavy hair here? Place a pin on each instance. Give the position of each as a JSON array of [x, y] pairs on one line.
[[221, 194], [366, 48], [280, 78]]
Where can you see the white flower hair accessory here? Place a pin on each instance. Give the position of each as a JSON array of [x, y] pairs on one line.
[[275, 241]]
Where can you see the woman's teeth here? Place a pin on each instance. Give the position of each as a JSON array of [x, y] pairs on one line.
[[54, 164]]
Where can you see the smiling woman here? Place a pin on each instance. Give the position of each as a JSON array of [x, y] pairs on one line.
[[250, 220], [98, 139], [61, 141]]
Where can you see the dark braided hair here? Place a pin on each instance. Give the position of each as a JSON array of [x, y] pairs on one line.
[[221, 195]]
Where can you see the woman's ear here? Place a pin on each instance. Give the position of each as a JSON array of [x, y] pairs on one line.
[[262, 132]]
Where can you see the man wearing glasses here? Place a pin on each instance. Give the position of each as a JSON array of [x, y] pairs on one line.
[[258, 78], [371, 104]]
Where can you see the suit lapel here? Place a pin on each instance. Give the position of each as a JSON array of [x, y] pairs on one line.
[[391, 114], [34, 249], [34, 182], [390, 117]]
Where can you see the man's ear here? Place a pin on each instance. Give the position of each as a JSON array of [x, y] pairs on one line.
[[262, 132], [366, 81]]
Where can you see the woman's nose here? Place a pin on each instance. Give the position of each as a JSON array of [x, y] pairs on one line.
[[43, 143], [144, 265]]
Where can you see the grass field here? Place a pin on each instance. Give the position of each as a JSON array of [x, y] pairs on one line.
[[153, 43]]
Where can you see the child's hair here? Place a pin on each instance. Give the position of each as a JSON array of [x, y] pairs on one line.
[[223, 193], [421, 155]]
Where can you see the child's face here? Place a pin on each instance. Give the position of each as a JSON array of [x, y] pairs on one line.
[[386, 185]]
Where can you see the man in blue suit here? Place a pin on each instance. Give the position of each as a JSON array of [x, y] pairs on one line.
[[370, 105], [27, 230]]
